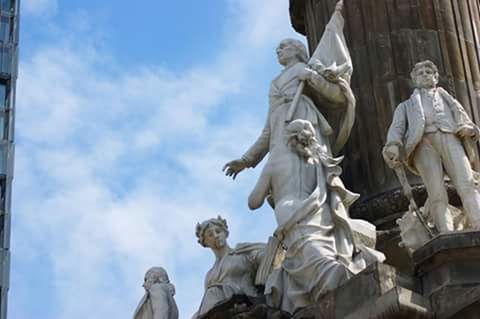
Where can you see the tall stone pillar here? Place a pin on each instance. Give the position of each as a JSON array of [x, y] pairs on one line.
[[386, 38]]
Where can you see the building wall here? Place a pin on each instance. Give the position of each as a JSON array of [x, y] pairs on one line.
[[8, 75]]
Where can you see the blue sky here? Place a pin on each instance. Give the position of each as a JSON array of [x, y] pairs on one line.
[[126, 113]]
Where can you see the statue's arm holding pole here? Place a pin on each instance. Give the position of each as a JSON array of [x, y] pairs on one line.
[[301, 86]]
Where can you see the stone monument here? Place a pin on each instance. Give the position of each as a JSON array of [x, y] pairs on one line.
[[321, 263], [301, 178], [386, 38]]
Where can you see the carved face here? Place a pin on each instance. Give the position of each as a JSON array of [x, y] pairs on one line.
[[286, 52], [425, 78], [149, 281], [154, 275], [215, 237]]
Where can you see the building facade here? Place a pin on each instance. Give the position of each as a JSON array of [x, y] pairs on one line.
[[9, 17]]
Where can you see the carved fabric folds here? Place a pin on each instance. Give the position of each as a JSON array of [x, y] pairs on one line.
[[234, 274], [158, 303], [320, 246]]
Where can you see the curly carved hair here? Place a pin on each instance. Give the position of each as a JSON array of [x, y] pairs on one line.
[[202, 227], [427, 63]]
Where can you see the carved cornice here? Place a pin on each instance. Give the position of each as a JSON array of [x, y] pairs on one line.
[[384, 208]]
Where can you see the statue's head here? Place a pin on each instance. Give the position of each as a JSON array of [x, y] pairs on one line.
[[155, 275], [212, 233], [289, 49], [425, 75]]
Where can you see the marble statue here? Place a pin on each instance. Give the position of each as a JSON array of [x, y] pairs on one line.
[[234, 270], [301, 178], [433, 136], [158, 302]]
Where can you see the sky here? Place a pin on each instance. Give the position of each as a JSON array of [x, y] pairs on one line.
[[126, 113]]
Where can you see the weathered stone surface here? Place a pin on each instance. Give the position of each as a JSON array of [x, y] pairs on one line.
[[444, 248], [243, 307], [377, 292], [448, 267], [383, 209]]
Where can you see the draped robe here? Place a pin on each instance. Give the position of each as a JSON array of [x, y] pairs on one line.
[[321, 253], [233, 274]]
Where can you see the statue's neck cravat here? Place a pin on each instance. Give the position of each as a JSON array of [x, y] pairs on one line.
[[438, 116]]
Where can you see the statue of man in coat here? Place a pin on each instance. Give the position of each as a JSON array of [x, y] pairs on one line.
[[436, 136]]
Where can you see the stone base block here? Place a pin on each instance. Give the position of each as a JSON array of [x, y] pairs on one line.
[[377, 292], [243, 307], [448, 267]]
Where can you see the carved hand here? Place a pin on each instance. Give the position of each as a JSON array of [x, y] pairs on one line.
[[391, 155], [305, 74], [466, 131], [234, 167]]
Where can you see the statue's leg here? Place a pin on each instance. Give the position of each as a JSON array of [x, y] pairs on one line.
[[428, 162], [460, 172]]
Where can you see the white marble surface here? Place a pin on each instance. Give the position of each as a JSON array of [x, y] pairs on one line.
[[158, 301], [234, 270], [435, 136], [301, 180]]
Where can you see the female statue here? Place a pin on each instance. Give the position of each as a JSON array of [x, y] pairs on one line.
[[234, 270]]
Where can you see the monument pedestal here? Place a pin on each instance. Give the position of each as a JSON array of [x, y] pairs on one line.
[[448, 267], [243, 307], [377, 292]]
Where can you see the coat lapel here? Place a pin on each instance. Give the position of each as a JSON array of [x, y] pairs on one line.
[[416, 108], [416, 121]]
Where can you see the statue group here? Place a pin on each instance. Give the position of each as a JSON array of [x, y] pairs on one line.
[[317, 247]]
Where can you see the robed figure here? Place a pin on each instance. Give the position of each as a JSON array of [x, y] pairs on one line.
[[301, 179], [158, 301]]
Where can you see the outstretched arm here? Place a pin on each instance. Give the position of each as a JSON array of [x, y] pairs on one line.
[[253, 156], [259, 149]]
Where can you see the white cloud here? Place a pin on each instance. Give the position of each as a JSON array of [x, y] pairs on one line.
[[39, 7], [115, 168]]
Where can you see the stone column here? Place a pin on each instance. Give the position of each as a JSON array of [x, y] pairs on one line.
[[386, 38]]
